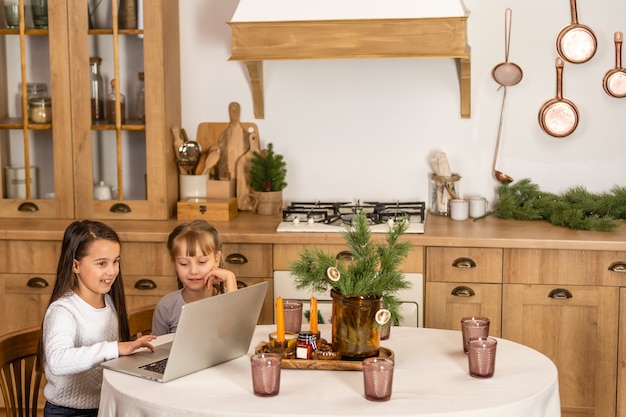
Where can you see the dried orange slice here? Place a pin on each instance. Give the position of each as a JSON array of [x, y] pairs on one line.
[[382, 316], [333, 273]]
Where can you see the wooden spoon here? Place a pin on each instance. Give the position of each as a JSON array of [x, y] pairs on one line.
[[211, 159]]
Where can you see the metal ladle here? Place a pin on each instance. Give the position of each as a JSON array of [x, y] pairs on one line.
[[189, 152], [499, 176]]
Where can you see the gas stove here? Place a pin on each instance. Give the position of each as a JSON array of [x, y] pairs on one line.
[[329, 217]]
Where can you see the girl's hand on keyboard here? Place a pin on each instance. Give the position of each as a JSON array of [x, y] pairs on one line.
[[127, 348]]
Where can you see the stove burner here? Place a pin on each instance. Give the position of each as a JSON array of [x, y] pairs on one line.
[[341, 213]]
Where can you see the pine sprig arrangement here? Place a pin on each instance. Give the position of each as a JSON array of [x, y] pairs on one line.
[[577, 208], [373, 270]]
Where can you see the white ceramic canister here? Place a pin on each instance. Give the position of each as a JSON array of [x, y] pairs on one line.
[[192, 186], [15, 181], [477, 206], [459, 209]]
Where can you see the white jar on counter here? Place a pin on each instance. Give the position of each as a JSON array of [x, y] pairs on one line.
[[40, 110]]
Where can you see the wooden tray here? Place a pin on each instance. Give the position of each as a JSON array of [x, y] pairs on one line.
[[333, 365]]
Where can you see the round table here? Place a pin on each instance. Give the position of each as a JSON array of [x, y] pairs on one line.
[[430, 379]]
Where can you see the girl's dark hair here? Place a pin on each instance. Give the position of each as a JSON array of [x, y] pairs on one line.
[[76, 241]]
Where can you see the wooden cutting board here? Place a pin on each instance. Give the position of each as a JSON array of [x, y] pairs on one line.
[[233, 143], [244, 199]]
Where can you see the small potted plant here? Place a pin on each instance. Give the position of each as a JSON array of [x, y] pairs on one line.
[[268, 174], [360, 285]]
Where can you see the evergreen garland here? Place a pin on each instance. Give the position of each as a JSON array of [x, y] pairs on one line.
[[577, 208]]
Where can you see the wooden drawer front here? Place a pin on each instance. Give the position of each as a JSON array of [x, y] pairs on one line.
[[248, 260], [147, 259], [20, 256], [579, 334], [448, 302], [24, 300], [267, 311], [571, 267], [464, 265], [146, 290], [284, 255]]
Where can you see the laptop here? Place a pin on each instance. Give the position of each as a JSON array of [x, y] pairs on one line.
[[210, 331]]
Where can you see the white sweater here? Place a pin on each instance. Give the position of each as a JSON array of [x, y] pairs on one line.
[[77, 338]]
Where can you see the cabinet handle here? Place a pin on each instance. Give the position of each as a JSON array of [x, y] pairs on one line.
[[618, 266], [463, 291], [464, 263], [37, 282], [560, 294], [345, 255], [119, 208], [236, 259], [145, 284], [28, 207]]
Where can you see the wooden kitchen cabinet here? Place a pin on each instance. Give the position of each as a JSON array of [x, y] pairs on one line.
[[40, 152], [252, 264], [27, 275], [621, 356], [24, 298], [463, 282], [134, 157], [565, 304], [73, 153]]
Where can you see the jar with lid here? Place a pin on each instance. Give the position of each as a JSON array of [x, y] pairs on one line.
[[141, 98], [307, 344], [40, 110], [111, 102], [97, 89], [33, 90]]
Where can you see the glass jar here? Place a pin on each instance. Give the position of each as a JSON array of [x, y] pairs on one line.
[[33, 90], [141, 99], [306, 345], [442, 190], [97, 89], [40, 110], [110, 107]]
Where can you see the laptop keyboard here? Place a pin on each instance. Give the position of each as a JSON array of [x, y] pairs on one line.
[[158, 366]]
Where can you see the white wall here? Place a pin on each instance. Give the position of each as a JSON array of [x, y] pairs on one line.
[[366, 128]]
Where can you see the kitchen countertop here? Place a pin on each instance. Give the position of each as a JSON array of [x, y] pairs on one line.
[[439, 231]]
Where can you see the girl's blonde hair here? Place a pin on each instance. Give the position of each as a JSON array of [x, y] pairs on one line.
[[194, 233]]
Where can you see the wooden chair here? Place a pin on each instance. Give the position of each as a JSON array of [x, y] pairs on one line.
[[19, 379], [140, 321]]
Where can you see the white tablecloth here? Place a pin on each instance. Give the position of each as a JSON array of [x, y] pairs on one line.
[[430, 379]]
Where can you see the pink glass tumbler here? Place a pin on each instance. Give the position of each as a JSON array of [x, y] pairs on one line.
[[377, 378], [265, 374], [481, 356], [474, 326]]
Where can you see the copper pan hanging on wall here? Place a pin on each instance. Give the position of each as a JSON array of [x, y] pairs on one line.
[[614, 81], [576, 43], [558, 117]]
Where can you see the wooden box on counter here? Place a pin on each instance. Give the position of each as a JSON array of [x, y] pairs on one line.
[[221, 189], [208, 209]]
